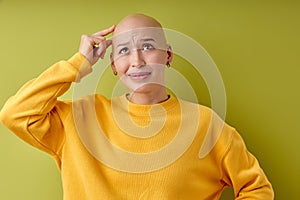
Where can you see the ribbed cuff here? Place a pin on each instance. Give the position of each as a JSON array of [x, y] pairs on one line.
[[81, 64]]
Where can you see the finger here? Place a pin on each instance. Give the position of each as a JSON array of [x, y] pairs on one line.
[[101, 50], [105, 31], [104, 44], [91, 40], [108, 43], [97, 40]]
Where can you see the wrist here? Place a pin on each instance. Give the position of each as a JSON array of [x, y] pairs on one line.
[[82, 64]]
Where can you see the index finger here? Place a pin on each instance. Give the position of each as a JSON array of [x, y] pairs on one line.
[[105, 31]]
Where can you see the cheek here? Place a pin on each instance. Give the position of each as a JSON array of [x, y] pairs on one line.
[[121, 66], [158, 57]]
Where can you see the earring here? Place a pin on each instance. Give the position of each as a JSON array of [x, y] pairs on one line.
[[115, 73], [168, 64]]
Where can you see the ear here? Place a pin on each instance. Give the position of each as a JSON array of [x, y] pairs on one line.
[[113, 67], [170, 54]]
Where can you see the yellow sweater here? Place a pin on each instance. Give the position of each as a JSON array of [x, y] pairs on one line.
[[114, 149]]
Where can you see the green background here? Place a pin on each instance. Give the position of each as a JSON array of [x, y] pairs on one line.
[[255, 45]]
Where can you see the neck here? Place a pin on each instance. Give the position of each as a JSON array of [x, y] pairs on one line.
[[147, 98]]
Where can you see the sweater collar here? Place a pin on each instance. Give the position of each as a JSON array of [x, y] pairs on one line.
[[143, 110]]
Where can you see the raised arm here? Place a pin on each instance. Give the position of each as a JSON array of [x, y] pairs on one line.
[[34, 113]]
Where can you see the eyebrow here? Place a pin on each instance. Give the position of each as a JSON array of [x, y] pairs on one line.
[[143, 40], [148, 39], [123, 44]]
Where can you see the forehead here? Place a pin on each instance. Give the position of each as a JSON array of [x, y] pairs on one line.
[[134, 35]]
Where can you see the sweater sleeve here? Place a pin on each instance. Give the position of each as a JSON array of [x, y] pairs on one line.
[[33, 112], [242, 171]]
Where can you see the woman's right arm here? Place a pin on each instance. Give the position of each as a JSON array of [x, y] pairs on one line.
[[33, 113]]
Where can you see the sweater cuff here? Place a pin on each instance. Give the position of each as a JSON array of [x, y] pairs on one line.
[[82, 65]]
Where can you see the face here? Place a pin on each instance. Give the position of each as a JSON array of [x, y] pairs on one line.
[[139, 57]]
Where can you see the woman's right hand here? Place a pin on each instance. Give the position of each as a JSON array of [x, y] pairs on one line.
[[94, 46]]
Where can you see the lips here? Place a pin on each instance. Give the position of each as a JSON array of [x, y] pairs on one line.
[[139, 75]]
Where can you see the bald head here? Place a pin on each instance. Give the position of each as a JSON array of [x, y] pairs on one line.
[[136, 28], [134, 21]]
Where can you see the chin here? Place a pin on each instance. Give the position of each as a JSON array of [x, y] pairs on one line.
[[145, 87]]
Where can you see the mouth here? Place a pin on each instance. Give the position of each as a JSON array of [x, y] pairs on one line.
[[139, 75]]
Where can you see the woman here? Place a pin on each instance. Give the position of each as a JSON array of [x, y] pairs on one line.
[[142, 145]]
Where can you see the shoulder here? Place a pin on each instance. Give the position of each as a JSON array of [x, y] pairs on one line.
[[89, 103], [90, 99], [206, 114], [216, 135]]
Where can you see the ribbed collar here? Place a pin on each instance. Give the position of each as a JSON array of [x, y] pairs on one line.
[[143, 110]]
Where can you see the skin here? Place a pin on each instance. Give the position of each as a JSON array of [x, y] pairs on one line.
[[139, 56]]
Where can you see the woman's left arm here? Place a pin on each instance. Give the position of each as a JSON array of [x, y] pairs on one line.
[[242, 170]]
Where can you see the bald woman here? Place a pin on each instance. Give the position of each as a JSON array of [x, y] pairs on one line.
[[142, 145]]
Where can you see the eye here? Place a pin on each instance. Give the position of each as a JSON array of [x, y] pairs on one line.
[[147, 47], [123, 50]]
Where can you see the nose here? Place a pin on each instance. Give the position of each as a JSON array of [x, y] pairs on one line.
[[136, 58]]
